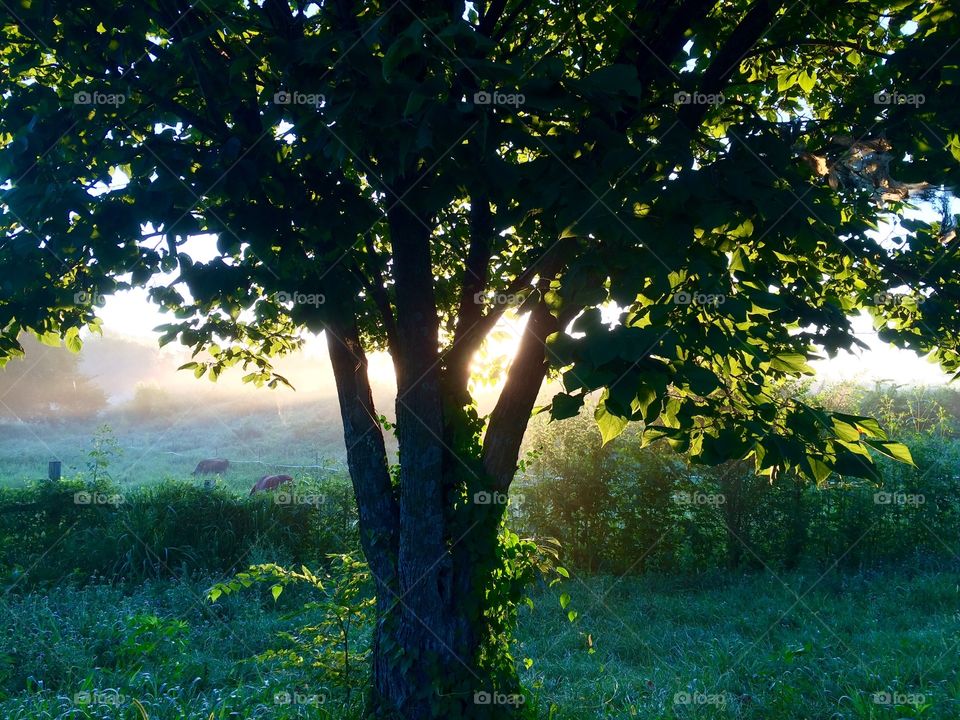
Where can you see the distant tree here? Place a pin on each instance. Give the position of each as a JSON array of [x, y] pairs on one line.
[[48, 383], [400, 175], [151, 401]]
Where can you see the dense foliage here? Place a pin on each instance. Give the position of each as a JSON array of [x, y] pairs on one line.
[[75, 530], [624, 508]]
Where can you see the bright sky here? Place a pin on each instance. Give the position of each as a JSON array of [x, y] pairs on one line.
[[130, 314]]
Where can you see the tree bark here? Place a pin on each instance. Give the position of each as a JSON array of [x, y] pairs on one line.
[[425, 633], [367, 462]]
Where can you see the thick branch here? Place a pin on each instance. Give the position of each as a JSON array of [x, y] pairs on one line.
[[470, 335], [475, 274], [366, 453], [423, 550], [508, 422], [654, 51], [747, 33]]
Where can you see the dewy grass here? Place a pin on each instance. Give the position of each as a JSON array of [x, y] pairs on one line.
[[796, 646]]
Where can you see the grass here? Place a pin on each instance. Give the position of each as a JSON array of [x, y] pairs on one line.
[[865, 646], [649, 647], [257, 440]]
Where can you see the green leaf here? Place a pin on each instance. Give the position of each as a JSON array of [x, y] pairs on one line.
[[610, 425], [72, 340], [820, 470], [793, 363], [275, 591], [893, 450], [564, 600]]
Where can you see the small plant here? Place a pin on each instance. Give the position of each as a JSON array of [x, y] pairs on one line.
[[151, 637], [335, 639], [105, 449]]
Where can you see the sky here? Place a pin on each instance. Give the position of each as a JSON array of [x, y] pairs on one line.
[[131, 315]]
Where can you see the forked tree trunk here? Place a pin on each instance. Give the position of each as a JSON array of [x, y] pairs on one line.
[[431, 548]]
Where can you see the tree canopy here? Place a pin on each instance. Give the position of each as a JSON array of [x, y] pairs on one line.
[[649, 153], [400, 174]]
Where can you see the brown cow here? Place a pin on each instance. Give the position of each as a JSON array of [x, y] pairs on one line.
[[215, 466], [269, 482]]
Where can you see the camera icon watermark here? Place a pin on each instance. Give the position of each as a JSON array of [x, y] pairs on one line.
[[514, 501], [496, 97], [285, 498], [95, 97], [98, 697], [299, 298], [286, 97], [285, 697], [507, 299], [897, 98], [899, 498], [86, 298], [700, 498], [698, 98], [700, 698], [697, 298], [896, 698], [889, 299], [97, 498], [482, 697]]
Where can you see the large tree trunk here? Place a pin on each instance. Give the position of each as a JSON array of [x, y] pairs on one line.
[[432, 543]]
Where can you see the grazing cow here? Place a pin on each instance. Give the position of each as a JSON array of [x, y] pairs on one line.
[[269, 482], [211, 467], [216, 466]]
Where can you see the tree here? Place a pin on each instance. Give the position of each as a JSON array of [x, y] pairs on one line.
[[48, 384], [398, 175]]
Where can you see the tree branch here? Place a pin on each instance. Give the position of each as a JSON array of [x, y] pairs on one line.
[[501, 443], [366, 453], [740, 41], [759, 49]]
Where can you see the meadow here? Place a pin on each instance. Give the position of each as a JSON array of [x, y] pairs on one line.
[[792, 646], [775, 600]]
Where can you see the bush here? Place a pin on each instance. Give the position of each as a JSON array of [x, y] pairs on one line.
[[623, 508], [70, 529]]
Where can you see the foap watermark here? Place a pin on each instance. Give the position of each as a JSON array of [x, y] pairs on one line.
[[98, 697], [295, 499], [482, 697], [497, 97], [888, 299], [89, 298], [300, 298], [700, 498], [285, 697], [898, 98], [898, 498], [897, 698], [295, 97], [700, 698], [698, 98], [507, 299], [97, 498], [698, 298], [95, 97]]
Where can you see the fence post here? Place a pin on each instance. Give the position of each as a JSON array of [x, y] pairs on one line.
[[53, 470]]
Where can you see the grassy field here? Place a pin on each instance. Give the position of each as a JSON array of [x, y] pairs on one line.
[[146, 450], [799, 646]]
